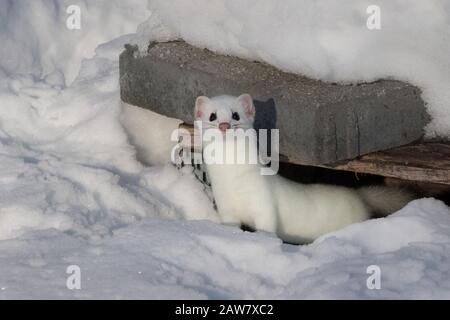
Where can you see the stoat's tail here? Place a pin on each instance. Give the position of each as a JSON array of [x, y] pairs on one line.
[[383, 201]]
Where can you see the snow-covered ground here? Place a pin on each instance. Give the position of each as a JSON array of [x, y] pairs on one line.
[[165, 259], [72, 191]]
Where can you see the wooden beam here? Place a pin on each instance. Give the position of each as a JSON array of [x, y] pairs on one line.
[[427, 162]]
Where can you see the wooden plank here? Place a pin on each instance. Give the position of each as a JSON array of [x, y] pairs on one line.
[[424, 162], [428, 162]]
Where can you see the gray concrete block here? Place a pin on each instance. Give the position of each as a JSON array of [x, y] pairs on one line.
[[319, 122]]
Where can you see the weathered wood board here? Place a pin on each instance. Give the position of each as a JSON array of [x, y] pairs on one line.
[[428, 162]]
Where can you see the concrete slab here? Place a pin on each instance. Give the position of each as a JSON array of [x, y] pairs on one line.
[[319, 122]]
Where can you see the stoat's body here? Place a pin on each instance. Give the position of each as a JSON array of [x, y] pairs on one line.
[[295, 212]]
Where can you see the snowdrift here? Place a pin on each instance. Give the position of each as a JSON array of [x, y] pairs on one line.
[[328, 40]]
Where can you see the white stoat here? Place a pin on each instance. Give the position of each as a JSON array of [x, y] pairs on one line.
[[296, 212]]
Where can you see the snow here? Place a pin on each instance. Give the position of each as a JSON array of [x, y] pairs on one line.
[[74, 193], [328, 40], [37, 29], [165, 259], [153, 143], [65, 160]]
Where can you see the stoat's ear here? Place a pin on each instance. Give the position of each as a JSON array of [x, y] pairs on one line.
[[246, 102], [200, 106]]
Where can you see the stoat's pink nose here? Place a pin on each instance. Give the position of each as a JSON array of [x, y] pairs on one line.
[[224, 126]]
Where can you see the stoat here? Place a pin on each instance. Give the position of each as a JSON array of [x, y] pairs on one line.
[[297, 213]]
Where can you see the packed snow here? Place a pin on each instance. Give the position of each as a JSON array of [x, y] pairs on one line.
[[165, 259], [80, 186], [328, 40]]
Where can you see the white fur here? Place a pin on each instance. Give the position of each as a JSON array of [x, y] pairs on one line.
[[296, 212]]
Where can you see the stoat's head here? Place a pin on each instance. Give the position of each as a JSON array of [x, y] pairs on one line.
[[225, 112]]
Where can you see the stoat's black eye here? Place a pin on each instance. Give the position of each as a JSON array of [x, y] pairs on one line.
[[213, 117], [236, 116]]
